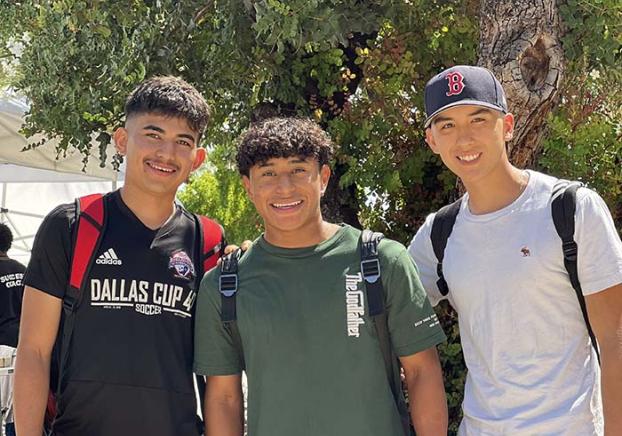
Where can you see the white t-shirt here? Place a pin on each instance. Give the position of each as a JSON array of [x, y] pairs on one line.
[[531, 367]]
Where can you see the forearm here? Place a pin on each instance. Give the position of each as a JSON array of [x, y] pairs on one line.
[[224, 415], [611, 385], [32, 378], [428, 403]]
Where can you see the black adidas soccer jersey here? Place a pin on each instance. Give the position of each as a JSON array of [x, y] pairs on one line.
[[11, 292], [129, 365]]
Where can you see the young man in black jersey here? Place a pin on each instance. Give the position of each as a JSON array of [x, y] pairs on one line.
[[128, 370]]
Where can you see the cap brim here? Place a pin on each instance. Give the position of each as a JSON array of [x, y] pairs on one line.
[[429, 119]]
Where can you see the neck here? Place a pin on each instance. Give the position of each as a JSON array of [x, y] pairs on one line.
[[3, 254], [315, 234], [152, 210], [496, 191]]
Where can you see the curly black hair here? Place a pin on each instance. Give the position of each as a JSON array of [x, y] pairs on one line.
[[6, 238], [170, 96], [283, 137]]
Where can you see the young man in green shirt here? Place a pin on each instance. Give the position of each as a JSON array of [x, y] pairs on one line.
[[310, 348]]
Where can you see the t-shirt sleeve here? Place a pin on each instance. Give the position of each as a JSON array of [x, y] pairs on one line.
[[413, 325], [422, 253], [599, 258], [214, 349], [48, 269]]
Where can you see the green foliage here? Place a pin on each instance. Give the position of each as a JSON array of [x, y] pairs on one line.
[[585, 138], [217, 192], [593, 33], [453, 365], [357, 67]]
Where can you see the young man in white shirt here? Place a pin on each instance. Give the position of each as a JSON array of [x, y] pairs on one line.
[[532, 369]]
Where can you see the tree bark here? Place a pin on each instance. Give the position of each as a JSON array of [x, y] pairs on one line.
[[520, 43], [340, 205]]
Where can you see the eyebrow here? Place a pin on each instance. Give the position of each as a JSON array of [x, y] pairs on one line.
[[161, 130], [440, 119]]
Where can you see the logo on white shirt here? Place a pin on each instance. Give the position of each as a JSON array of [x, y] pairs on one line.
[[109, 257]]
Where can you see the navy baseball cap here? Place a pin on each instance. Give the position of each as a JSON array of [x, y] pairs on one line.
[[461, 85]]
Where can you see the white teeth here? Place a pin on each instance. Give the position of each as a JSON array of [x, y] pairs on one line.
[[469, 157], [280, 205], [159, 168]]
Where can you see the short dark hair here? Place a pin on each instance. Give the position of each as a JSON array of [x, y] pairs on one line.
[[6, 238], [283, 137], [170, 96]]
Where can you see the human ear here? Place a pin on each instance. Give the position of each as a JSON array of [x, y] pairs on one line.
[[199, 158], [429, 139], [508, 127], [120, 140], [324, 177], [246, 181]]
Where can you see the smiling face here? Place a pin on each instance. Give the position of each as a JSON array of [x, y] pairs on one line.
[[286, 193], [471, 142], [160, 152]]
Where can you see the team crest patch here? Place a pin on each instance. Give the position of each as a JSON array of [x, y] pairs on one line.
[[181, 263]]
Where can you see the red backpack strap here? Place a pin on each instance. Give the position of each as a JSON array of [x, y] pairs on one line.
[[90, 222], [212, 236]]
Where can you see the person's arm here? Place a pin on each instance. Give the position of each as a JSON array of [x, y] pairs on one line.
[[224, 406], [605, 313], [426, 392], [39, 324]]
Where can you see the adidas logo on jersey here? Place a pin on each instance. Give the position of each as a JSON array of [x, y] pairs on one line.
[[108, 257]]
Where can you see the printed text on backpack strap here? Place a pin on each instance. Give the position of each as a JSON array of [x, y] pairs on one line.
[[228, 288], [563, 206], [442, 226], [370, 270]]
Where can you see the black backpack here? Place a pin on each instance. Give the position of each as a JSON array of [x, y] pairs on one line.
[[370, 270], [563, 205]]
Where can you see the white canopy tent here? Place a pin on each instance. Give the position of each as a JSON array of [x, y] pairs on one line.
[[33, 182]]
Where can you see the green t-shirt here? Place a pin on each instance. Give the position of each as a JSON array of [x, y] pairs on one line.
[[313, 361]]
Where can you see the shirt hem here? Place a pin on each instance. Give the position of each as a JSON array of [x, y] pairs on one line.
[[219, 370], [423, 344]]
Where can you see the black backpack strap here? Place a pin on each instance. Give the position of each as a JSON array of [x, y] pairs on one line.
[[91, 217], [370, 270], [442, 227], [563, 206], [228, 288]]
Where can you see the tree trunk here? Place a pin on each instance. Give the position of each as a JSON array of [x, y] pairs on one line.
[[339, 205], [520, 43]]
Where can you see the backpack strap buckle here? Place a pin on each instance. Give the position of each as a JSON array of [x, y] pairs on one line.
[[570, 250], [228, 284], [371, 270], [69, 303]]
